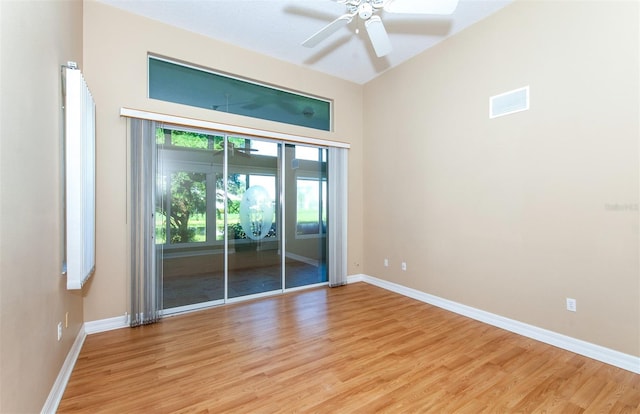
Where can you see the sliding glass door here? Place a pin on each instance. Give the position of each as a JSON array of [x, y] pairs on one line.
[[254, 259], [237, 217]]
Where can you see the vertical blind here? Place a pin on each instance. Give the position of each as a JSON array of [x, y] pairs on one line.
[[146, 281], [80, 165], [337, 219]]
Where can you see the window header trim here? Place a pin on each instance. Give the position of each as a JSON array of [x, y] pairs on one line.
[[230, 129]]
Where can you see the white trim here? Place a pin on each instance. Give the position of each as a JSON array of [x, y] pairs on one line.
[[590, 350], [232, 129], [356, 278], [59, 386], [109, 324]]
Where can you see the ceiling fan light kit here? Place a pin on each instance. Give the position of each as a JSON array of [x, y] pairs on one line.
[[366, 10]]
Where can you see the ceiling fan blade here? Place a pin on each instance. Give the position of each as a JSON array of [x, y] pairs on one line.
[[378, 35], [328, 30], [421, 6]]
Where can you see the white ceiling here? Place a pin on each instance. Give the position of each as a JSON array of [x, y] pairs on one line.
[[278, 27]]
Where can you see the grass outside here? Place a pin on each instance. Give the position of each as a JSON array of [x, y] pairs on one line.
[[199, 223]]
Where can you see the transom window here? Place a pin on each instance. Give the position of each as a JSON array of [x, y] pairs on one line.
[[191, 85]]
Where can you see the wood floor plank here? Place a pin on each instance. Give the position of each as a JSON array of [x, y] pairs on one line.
[[353, 349]]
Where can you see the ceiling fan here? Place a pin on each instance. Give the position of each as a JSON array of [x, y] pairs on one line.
[[367, 11]]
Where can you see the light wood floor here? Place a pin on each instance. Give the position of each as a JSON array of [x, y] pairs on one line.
[[352, 349]]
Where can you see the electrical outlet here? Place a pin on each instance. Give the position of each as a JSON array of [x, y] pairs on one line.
[[404, 266], [66, 320], [386, 262], [59, 331], [571, 305]]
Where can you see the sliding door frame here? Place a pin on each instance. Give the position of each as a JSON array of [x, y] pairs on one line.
[[227, 131]]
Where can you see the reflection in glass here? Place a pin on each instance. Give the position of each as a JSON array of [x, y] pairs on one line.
[[179, 83], [306, 195], [311, 209], [187, 216], [254, 260]]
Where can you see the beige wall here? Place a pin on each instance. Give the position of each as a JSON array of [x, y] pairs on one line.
[[515, 214], [510, 215], [116, 44], [36, 39]]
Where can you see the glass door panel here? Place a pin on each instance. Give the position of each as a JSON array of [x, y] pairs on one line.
[[187, 217], [306, 215], [254, 259]]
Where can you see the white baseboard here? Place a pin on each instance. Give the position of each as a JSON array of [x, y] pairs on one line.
[[356, 278], [57, 391], [109, 324], [597, 352], [55, 395], [593, 351]]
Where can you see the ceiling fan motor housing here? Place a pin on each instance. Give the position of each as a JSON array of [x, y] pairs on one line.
[[365, 10]]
